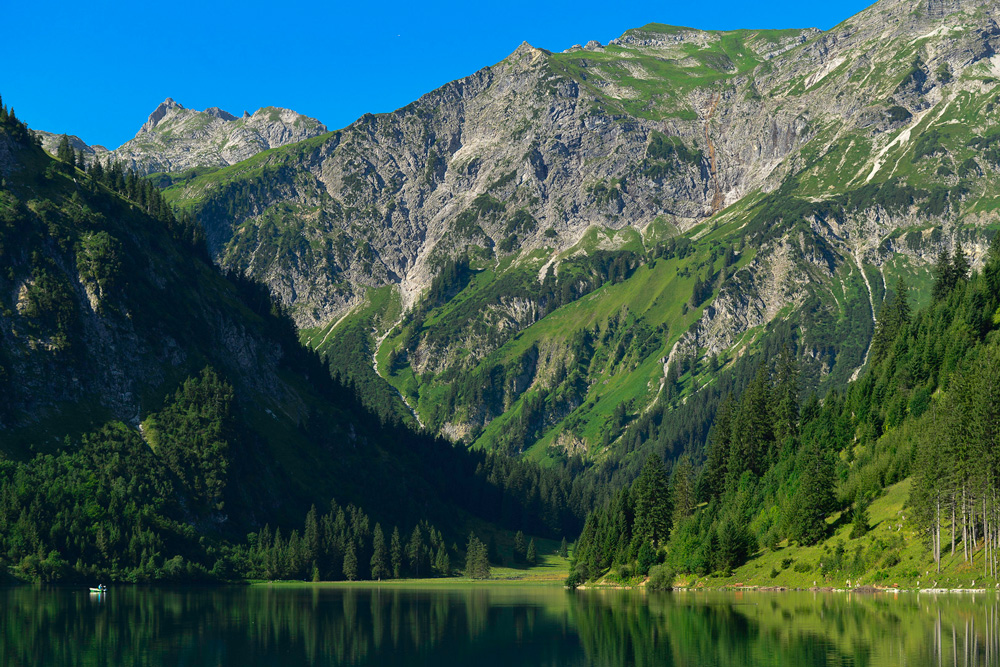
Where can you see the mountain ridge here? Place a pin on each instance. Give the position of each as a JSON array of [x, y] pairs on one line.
[[175, 139], [824, 163]]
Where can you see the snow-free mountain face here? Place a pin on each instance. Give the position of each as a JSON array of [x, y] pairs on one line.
[[563, 228], [175, 139]]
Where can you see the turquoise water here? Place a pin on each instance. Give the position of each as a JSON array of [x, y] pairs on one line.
[[491, 625]]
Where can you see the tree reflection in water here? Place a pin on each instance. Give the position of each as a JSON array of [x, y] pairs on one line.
[[490, 625]]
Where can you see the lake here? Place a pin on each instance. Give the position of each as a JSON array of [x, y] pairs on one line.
[[498, 624]]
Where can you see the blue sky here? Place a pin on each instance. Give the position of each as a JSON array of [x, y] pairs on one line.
[[97, 69]]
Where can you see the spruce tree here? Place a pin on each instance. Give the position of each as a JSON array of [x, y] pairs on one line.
[[477, 566], [814, 498], [520, 548], [682, 490], [350, 562], [652, 502], [532, 555], [415, 552], [63, 150], [960, 264], [311, 537], [944, 276], [563, 549], [396, 553], [380, 559]]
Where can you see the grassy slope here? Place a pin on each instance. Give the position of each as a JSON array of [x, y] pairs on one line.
[[891, 525]]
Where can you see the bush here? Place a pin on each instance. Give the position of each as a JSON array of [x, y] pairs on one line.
[[803, 567], [575, 578], [661, 578]]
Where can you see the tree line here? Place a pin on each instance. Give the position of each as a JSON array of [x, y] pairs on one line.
[[776, 466]]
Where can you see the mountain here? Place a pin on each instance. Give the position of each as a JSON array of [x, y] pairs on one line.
[[155, 407], [175, 139], [579, 253]]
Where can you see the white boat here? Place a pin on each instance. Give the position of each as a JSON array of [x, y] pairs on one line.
[[100, 589]]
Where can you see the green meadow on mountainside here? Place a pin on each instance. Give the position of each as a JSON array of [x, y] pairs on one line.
[[725, 301]]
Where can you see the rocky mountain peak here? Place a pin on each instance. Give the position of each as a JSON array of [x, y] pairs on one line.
[[219, 113], [527, 54], [159, 113]]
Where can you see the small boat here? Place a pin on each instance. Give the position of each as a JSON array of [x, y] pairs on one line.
[[100, 589]]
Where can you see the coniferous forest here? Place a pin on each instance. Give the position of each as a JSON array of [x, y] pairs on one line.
[[199, 490], [775, 469]]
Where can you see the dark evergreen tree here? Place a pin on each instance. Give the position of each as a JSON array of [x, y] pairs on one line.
[[652, 502], [396, 554], [944, 276], [520, 547], [814, 498], [477, 565], [380, 558], [351, 562]]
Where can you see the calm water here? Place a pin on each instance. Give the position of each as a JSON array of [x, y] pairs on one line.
[[492, 625]]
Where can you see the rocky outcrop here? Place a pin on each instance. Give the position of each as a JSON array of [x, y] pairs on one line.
[[175, 138], [675, 127]]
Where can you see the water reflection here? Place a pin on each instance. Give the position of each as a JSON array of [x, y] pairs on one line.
[[486, 626]]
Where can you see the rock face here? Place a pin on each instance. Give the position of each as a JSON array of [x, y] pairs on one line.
[[587, 138], [819, 152], [50, 142], [174, 138]]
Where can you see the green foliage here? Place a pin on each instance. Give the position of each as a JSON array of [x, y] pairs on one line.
[[814, 498], [192, 436], [477, 565], [99, 262], [50, 307], [661, 578], [898, 114], [928, 143]]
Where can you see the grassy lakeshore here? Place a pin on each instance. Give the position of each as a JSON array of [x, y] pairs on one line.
[[551, 570], [891, 556]]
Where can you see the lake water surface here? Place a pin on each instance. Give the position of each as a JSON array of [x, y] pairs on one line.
[[491, 625]]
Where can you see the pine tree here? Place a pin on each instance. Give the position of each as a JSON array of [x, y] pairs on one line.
[[379, 561], [520, 548], [753, 431], [786, 397], [652, 502], [814, 498], [893, 317], [350, 562], [477, 566], [396, 553], [563, 549], [532, 555], [311, 537], [682, 490], [859, 519], [63, 151], [646, 558], [415, 552], [712, 480], [442, 562], [944, 276], [960, 264]]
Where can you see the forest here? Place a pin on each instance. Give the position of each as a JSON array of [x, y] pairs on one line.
[[196, 493], [776, 467]]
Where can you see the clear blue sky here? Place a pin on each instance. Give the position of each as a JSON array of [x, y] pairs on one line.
[[97, 68]]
